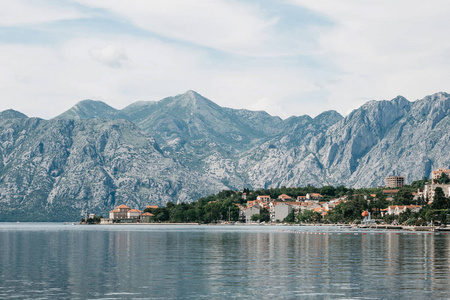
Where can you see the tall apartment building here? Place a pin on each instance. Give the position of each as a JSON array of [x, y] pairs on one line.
[[395, 181]]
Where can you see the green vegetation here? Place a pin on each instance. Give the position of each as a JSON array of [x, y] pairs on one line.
[[94, 220], [224, 206]]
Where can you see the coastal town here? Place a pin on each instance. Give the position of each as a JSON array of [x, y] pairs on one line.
[[286, 208]]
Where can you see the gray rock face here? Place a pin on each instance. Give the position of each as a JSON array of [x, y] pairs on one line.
[[94, 157], [58, 169]]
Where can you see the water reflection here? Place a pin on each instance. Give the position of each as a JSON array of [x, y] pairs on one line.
[[153, 262]]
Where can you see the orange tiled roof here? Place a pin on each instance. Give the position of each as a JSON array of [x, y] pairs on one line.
[[284, 196], [114, 211], [148, 214], [134, 210], [152, 206], [122, 206]]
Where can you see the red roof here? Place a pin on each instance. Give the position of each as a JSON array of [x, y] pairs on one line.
[[122, 206]]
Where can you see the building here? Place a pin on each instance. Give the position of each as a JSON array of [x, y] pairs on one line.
[[398, 209], [395, 181], [119, 213], [134, 214], [313, 196], [429, 190], [284, 197], [145, 217], [301, 198], [263, 198], [281, 211], [437, 173], [250, 211]]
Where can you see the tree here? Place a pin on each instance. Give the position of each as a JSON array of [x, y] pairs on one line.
[[255, 217], [290, 218], [443, 179], [264, 215], [440, 202]]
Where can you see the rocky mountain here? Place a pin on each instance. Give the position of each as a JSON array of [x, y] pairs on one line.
[[58, 169], [93, 156]]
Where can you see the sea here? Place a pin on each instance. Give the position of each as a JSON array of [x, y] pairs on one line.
[[66, 261]]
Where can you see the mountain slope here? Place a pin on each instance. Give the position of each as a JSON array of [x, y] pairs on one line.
[[57, 169]]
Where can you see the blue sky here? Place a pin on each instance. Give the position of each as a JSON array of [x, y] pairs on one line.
[[288, 57]]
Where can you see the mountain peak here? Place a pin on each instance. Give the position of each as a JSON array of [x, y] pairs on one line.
[[12, 114], [90, 109]]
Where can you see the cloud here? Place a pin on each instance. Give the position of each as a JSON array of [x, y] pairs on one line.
[[23, 12], [109, 55], [289, 58], [229, 26], [383, 48]]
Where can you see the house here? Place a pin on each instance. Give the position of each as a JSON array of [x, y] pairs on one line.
[[119, 213], [250, 211], [145, 217], [134, 214], [263, 198], [310, 205], [313, 196], [284, 197], [301, 198], [398, 209], [281, 211]]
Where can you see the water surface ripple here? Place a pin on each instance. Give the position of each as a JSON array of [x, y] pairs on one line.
[[57, 261]]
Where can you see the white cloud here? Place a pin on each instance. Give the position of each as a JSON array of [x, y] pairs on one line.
[[219, 24], [384, 48], [109, 55], [375, 50], [18, 12]]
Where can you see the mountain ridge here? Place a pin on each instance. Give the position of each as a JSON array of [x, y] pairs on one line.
[[183, 147]]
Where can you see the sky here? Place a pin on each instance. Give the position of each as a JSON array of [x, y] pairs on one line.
[[287, 57]]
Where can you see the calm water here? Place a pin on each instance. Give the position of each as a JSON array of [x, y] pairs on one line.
[[56, 261]]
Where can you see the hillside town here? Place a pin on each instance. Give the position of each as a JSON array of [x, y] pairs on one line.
[[279, 208]]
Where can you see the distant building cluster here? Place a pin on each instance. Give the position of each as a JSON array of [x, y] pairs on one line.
[[283, 205], [125, 214]]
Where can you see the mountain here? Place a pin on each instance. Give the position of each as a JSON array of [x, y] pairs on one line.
[[374, 141], [58, 169], [93, 156], [91, 109]]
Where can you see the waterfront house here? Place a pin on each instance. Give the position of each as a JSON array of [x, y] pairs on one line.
[[398, 209], [119, 213], [250, 211], [145, 217], [134, 214], [281, 211]]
